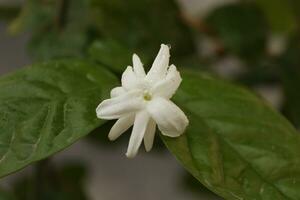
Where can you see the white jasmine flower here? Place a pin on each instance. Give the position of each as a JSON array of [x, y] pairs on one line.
[[143, 101]]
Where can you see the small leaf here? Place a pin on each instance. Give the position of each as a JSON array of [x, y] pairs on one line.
[[6, 195], [49, 182], [280, 14], [236, 145], [242, 29], [46, 108], [53, 44], [111, 54], [143, 24], [59, 28], [8, 12], [290, 77]]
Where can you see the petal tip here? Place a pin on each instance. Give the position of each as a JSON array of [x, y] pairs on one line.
[[165, 46], [135, 56], [130, 155], [111, 138], [98, 112], [148, 149]]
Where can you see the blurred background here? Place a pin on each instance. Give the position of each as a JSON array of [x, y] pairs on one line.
[[254, 43]]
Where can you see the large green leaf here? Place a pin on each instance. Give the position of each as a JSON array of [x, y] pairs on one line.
[[236, 145], [47, 107]]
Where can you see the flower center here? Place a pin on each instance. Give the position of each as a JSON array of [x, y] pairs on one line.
[[147, 95]]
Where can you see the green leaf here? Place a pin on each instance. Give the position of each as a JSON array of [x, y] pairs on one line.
[[236, 145], [59, 28], [6, 195], [290, 78], [34, 15], [111, 54], [47, 182], [242, 29], [115, 55], [8, 12], [280, 14], [143, 24], [47, 107], [193, 185], [55, 44]]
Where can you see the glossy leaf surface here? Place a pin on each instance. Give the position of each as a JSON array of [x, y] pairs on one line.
[[236, 144], [47, 107]]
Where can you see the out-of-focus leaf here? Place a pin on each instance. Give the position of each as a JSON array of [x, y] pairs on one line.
[[241, 28], [143, 24], [191, 61], [6, 195], [47, 107], [290, 77], [59, 28], [111, 54], [117, 57], [35, 15], [53, 44], [260, 74], [8, 12], [49, 183], [280, 14], [236, 145]]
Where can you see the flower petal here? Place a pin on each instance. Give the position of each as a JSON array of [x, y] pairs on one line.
[[138, 66], [129, 79], [149, 135], [138, 132], [117, 91], [117, 107], [160, 65], [168, 86], [121, 126], [170, 118]]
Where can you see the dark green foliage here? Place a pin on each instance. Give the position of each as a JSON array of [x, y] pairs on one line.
[[60, 28], [281, 14], [52, 183], [236, 145], [241, 28], [289, 67], [143, 24], [47, 107]]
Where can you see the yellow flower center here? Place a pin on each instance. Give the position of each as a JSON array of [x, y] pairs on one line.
[[147, 96]]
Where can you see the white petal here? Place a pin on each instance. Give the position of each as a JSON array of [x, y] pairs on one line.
[[121, 126], [117, 91], [170, 118], [129, 79], [138, 66], [138, 132], [149, 135], [160, 65], [117, 107], [168, 86]]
